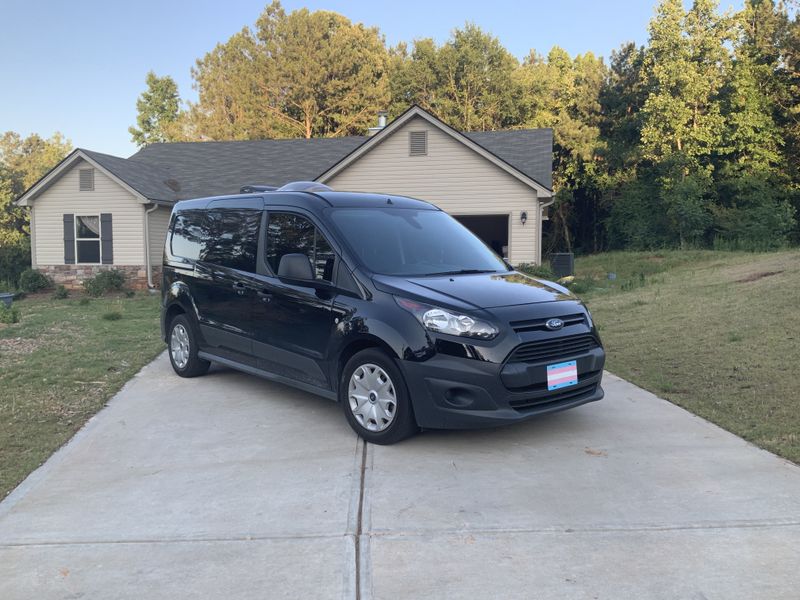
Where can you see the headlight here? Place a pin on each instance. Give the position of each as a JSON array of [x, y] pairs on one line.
[[443, 321]]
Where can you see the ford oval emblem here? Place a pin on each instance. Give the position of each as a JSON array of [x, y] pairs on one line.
[[553, 324]]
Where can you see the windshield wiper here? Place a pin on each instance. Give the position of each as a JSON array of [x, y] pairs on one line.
[[462, 272]]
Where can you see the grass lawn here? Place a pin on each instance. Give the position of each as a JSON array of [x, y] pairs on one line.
[[58, 367], [715, 332]]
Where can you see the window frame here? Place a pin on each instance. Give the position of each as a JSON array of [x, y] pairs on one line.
[[98, 239]]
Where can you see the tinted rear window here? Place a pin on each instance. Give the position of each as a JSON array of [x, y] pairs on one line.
[[225, 237]]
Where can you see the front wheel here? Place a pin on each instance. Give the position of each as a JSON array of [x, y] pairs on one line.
[[183, 349], [375, 399]]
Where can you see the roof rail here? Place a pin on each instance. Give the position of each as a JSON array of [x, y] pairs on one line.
[[305, 186], [249, 189]]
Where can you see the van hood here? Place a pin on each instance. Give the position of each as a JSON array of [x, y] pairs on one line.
[[483, 290]]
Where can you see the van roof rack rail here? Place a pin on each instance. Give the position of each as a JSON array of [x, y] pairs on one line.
[[249, 189], [305, 186]]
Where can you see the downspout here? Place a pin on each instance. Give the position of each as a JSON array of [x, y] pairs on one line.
[[148, 266], [542, 206]]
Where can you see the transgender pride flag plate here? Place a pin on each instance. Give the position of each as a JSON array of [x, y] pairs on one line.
[[562, 375]]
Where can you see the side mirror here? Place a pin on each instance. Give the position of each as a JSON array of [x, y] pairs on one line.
[[296, 266]]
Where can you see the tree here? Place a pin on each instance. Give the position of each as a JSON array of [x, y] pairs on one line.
[[685, 67], [23, 161], [564, 94], [158, 109], [468, 82], [302, 74]]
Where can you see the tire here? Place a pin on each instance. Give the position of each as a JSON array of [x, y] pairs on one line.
[[375, 398], [182, 348]]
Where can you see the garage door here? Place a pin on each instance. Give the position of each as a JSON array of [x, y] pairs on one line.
[[492, 229]]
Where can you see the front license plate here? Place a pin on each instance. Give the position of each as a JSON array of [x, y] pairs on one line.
[[562, 375]]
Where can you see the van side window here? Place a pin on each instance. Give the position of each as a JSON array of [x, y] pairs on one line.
[[231, 238], [288, 233], [188, 234]]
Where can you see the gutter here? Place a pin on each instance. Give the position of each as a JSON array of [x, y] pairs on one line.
[[542, 206], [148, 267]]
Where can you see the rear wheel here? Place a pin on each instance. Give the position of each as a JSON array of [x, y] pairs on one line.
[[375, 399], [183, 349]]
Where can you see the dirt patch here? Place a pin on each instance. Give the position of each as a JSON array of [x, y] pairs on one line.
[[757, 276], [19, 345]]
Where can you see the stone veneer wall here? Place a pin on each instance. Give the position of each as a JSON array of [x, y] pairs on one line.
[[72, 276]]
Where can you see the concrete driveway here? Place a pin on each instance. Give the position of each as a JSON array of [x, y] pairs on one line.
[[228, 486]]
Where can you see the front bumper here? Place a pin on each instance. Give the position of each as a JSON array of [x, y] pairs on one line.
[[450, 392]]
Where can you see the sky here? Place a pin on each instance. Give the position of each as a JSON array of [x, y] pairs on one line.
[[77, 67]]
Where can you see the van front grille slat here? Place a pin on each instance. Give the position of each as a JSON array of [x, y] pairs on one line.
[[553, 349]]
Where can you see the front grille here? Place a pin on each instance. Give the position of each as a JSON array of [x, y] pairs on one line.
[[570, 394], [553, 349], [539, 324]]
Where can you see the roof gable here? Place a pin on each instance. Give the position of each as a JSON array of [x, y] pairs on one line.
[[473, 141], [97, 160]]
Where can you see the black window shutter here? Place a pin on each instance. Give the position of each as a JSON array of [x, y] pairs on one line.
[[69, 239], [106, 239]]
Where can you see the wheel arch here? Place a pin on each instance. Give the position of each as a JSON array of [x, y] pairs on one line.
[[353, 347]]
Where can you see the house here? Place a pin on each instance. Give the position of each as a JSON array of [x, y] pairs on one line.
[[94, 210]]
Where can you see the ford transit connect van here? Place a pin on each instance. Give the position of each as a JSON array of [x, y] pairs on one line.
[[383, 303]]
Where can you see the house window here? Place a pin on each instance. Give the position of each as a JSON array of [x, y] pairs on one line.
[[417, 143], [86, 180], [87, 239]]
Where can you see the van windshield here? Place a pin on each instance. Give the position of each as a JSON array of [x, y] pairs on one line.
[[407, 242]]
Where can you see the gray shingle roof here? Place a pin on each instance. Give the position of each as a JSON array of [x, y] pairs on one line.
[[177, 171], [150, 180], [217, 168], [529, 151]]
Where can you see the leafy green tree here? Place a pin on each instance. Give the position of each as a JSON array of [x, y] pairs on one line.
[[23, 161], [564, 93], [301, 74], [158, 109], [468, 82]]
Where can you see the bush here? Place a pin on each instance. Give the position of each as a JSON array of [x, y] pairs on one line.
[[61, 293], [14, 259], [9, 315], [112, 316], [542, 271], [83, 302], [34, 281], [104, 282]]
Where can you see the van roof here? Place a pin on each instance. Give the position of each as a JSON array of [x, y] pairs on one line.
[[309, 200]]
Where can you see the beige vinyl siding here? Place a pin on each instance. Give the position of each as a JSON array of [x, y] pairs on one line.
[[451, 176], [64, 197], [159, 222]]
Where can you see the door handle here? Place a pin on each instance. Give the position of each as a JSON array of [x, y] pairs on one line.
[[239, 287], [265, 296]]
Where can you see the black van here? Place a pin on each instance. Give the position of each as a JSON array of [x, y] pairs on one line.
[[383, 303]]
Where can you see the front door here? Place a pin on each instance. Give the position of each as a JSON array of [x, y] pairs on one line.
[[293, 319]]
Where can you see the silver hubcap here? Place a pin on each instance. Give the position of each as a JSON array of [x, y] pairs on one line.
[[372, 397], [179, 346]]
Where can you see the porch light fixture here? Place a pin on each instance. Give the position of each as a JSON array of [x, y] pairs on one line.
[[523, 217]]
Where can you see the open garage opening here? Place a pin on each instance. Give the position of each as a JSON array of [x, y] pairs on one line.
[[492, 229]]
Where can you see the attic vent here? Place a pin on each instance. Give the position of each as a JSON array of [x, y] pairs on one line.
[[417, 143], [86, 180]]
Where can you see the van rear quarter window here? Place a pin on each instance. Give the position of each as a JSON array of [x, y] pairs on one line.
[[224, 237]]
